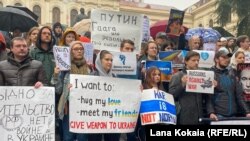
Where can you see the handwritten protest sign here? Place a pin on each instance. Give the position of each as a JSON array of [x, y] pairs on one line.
[[27, 114], [164, 66], [124, 63], [200, 81], [109, 28], [88, 52], [62, 57], [157, 107], [176, 56], [206, 58], [103, 104]]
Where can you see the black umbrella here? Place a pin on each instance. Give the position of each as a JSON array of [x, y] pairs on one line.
[[12, 18], [27, 10]]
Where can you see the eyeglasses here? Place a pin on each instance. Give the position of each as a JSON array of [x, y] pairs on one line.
[[78, 49]]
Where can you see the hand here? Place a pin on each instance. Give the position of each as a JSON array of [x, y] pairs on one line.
[[248, 115], [56, 71], [215, 83], [141, 88], [213, 117], [70, 86], [184, 80], [38, 84]]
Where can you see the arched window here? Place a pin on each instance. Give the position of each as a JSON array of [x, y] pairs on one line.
[[1, 4], [56, 15], [73, 14], [200, 25], [211, 23], [18, 4], [89, 14], [37, 11]]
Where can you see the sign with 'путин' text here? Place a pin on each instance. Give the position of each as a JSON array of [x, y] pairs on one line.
[[109, 28], [27, 114], [103, 104]]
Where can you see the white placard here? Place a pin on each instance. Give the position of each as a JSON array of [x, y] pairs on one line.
[[27, 114], [200, 81], [157, 107], [209, 46], [103, 104], [62, 57], [109, 28], [206, 58], [124, 63]]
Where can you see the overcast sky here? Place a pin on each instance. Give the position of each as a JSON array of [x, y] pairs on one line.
[[179, 4]]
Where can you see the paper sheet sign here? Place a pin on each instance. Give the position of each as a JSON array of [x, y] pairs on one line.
[[200, 81], [62, 57]]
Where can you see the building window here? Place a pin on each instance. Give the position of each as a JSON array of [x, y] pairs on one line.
[[1, 4], [55, 15], [230, 16], [37, 11], [211, 23], [73, 14], [89, 14], [18, 4], [200, 25]]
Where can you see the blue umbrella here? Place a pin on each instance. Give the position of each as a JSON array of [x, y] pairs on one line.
[[207, 34]]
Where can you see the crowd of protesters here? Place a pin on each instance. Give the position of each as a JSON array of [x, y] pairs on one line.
[[30, 62]]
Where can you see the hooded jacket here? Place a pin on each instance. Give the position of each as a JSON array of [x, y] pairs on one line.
[[227, 94], [25, 73], [45, 56]]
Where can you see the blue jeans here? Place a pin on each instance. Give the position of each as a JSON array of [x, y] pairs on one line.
[[67, 135]]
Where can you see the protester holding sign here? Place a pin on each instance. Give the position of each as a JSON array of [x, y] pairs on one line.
[[188, 104], [103, 65], [20, 69], [151, 52], [239, 58], [61, 81], [228, 92]]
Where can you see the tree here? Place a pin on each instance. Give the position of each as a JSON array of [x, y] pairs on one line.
[[240, 7]]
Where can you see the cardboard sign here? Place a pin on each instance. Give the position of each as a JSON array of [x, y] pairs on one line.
[[27, 113], [109, 28]]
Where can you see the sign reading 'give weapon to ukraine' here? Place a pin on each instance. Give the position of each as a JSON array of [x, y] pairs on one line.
[[157, 107], [103, 104]]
